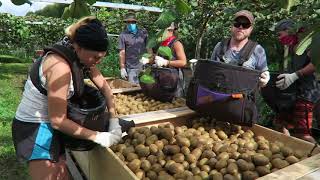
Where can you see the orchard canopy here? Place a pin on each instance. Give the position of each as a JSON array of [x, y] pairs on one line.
[[202, 23]]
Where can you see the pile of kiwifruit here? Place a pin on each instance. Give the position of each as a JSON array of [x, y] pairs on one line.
[[139, 103], [206, 150]]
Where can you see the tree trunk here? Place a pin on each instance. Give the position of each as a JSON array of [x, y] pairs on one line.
[[200, 36]]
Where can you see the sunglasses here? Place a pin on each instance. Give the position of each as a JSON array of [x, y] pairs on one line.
[[131, 22], [244, 25]]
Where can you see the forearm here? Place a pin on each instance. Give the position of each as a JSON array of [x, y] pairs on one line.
[[107, 92], [122, 59], [307, 70], [177, 63], [71, 128]]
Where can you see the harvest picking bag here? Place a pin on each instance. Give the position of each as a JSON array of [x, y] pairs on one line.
[[165, 86], [223, 91], [89, 112], [279, 100]]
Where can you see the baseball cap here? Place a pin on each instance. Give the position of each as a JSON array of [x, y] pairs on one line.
[[284, 24], [245, 13]]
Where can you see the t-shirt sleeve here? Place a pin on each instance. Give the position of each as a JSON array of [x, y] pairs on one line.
[[261, 58], [122, 44], [215, 51]]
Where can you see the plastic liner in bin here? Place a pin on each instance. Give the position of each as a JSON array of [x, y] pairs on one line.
[[225, 92], [89, 112], [279, 100]]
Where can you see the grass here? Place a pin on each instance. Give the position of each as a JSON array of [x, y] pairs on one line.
[[9, 59], [12, 77]]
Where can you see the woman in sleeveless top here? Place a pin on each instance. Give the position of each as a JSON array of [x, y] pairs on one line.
[[40, 117]]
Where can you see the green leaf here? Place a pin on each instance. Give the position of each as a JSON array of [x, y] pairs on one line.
[[147, 55], [165, 52], [147, 79], [91, 1], [0, 3], [165, 19], [304, 43], [19, 2], [315, 53], [182, 7], [161, 36], [152, 42]]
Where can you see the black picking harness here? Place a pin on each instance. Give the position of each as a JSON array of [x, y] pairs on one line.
[[166, 82], [86, 107], [223, 91]]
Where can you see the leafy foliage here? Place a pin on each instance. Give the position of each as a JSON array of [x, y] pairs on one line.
[[53, 10], [165, 19], [30, 32], [77, 9], [166, 52]]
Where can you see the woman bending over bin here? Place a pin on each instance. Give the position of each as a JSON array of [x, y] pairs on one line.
[[42, 113]]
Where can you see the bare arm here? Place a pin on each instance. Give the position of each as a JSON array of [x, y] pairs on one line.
[[307, 70], [57, 72], [104, 87], [181, 60], [122, 58]]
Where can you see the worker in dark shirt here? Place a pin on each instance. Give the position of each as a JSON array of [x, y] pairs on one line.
[[132, 44]]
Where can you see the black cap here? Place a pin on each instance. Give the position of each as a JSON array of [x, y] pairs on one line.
[[92, 36]]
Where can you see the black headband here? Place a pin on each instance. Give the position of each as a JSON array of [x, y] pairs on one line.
[[92, 36]]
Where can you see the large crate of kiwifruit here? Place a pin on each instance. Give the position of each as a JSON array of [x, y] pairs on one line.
[[132, 104], [118, 85], [210, 152], [130, 101]]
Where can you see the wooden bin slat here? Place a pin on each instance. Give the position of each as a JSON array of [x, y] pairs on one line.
[[104, 164], [118, 85], [297, 170], [143, 118]]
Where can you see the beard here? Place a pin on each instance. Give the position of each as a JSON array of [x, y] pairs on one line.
[[238, 36]]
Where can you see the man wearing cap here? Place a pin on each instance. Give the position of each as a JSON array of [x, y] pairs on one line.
[[239, 50], [302, 74], [132, 44]]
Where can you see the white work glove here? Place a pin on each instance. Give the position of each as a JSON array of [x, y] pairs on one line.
[[286, 80], [114, 127], [144, 60], [193, 61], [264, 78], [106, 139], [161, 61], [124, 73]]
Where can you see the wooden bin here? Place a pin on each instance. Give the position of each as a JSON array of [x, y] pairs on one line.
[[102, 163], [125, 87]]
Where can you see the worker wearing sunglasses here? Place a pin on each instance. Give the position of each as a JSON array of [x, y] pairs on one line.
[[240, 50]]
